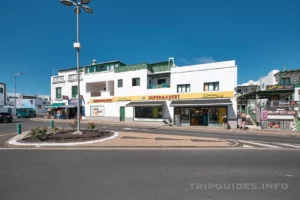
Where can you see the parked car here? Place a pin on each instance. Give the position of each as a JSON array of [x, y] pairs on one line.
[[6, 117], [26, 112]]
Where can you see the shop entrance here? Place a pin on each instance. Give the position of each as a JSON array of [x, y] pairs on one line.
[[199, 116]]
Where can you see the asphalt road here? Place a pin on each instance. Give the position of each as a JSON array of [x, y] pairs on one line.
[[149, 174], [27, 125]]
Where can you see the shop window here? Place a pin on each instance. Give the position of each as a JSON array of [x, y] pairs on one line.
[[213, 86], [285, 81], [136, 82], [120, 83], [149, 112], [183, 88], [58, 93], [74, 91]]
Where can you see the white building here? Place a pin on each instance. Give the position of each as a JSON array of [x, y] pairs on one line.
[[37, 102], [2, 94], [189, 95]]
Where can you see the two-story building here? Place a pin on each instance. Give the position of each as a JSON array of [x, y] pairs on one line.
[[185, 95]]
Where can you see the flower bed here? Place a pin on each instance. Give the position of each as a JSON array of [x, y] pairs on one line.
[[41, 135]]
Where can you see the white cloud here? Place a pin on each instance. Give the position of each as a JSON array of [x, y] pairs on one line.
[[203, 60], [184, 61]]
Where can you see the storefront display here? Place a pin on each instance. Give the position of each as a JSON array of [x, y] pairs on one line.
[[201, 116], [148, 112]]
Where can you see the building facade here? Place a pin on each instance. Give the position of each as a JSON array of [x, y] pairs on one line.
[[2, 94], [37, 102], [157, 92]]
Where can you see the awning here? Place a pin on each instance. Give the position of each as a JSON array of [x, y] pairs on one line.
[[145, 104], [68, 106], [202, 102], [55, 105]]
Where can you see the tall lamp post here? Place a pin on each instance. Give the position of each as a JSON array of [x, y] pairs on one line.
[[16, 87], [78, 5]]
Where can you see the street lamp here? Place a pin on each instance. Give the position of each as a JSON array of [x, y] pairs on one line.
[[16, 87], [78, 4]]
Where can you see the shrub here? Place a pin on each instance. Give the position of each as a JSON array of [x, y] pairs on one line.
[[39, 133], [55, 129], [73, 124], [91, 126]]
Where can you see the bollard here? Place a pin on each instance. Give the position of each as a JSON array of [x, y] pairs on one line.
[[19, 129], [52, 124]]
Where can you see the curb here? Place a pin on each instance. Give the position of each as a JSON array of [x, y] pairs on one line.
[[13, 142]]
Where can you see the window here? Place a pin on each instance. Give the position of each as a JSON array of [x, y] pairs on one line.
[[103, 68], [58, 93], [97, 68], [92, 69], [149, 112], [214, 86], [120, 83], [74, 91], [161, 81], [39, 107], [136, 82], [1, 90], [183, 88], [285, 81]]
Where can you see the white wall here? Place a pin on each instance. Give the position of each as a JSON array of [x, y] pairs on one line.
[[268, 80], [196, 75]]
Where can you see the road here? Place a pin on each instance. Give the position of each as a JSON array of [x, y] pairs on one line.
[[261, 140], [150, 174]]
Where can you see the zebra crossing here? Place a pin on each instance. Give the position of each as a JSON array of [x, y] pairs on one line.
[[273, 145]]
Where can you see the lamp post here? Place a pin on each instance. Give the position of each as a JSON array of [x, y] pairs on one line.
[[78, 5], [16, 87]]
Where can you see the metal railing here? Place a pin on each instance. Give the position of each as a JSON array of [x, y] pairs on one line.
[[156, 86]]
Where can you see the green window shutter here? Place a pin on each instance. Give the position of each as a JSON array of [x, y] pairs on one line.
[[138, 81], [58, 93], [74, 91]]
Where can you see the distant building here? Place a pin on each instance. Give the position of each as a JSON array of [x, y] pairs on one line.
[[2, 94], [37, 102]]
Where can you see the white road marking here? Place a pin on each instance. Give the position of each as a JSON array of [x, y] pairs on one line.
[[288, 145], [8, 134], [260, 144], [247, 146]]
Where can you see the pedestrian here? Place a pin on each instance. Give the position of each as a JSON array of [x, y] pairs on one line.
[[243, 123], [225, 121]]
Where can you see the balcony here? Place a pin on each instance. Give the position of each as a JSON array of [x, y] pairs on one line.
[[157, 86], [58, 79], [102, 94], [73, 78]]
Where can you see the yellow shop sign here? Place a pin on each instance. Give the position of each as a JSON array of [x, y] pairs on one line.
[[202, 95]]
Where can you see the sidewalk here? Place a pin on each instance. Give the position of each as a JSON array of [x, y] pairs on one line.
[[187, 128]]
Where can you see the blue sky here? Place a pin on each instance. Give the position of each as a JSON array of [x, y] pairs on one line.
[[37, 36]]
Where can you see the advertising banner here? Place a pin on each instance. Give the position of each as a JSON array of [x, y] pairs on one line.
[[97, 111]]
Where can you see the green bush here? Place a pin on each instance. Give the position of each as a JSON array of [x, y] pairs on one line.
[[39, 133]]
